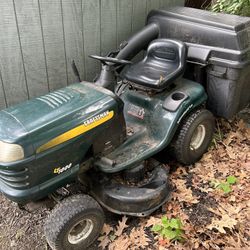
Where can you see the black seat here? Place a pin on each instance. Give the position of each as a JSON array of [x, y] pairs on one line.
[[164, 62]]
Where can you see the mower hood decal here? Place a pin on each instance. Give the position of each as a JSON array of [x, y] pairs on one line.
[[87, 125]]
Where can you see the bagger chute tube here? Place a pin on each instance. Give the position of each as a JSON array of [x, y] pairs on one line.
[[103, 135]]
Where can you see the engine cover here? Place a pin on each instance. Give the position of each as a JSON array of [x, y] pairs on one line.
[[56, 131]]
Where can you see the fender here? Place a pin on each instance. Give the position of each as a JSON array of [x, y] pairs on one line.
[[155, 120]]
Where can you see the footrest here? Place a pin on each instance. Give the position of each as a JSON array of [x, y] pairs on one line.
[[127, 155]]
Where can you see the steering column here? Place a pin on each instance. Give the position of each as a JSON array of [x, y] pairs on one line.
[[108, 75]]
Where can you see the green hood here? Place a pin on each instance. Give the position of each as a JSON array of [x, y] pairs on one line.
[[47, 109], [37, 121], [11, 130]]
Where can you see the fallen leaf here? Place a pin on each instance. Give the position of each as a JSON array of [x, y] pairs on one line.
[[164, 242], [121, 226], [104, 241], [138, 239], [229, 139], [221, 224], [107, 229], [231, 152], [121, 243], [162, 248], [184, 194], [232, 198], [152, 221]]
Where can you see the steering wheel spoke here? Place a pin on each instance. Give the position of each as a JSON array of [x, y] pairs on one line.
[[106, 59]]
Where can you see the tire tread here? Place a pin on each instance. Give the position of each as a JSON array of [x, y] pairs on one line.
[[63, 213], [178, 141]]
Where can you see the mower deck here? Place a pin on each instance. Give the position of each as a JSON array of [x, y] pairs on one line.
[[140, 199]]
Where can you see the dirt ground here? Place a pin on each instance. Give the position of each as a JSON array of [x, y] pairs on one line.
[[212, 219]]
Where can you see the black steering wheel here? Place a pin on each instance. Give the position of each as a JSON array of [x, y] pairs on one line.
[[105, 59]]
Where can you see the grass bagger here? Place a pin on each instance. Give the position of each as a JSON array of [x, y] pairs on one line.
[[104, 135]]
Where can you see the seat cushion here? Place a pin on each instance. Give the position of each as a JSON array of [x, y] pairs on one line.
[[148, 74], [164, 62]]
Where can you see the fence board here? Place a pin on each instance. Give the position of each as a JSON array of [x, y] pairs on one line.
[[178, 3], [138, 20], [28, 21], [52, 25], [73, 28], [91, 33], [11, 62], [108, 26], [139, 14], [124, 20], [2, 95], [167, 3], [152, 4]]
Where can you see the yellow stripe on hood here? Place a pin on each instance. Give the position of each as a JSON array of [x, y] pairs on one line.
[[79, 130]]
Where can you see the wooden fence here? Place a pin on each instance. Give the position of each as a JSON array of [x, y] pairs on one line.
[[39, 39]]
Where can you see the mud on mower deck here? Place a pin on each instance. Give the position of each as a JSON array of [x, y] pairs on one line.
[[140, 197]]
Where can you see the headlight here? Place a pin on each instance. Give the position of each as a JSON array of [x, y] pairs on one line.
[[10, 152]]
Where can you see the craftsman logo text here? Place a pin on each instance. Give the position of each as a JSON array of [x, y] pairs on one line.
[[96, 118]]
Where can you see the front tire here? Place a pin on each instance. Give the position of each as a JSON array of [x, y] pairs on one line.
[[193, 137], [74, 224]]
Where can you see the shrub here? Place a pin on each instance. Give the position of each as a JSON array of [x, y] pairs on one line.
[[236, 7]]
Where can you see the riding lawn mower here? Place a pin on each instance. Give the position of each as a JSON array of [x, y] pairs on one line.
[[104, 134]]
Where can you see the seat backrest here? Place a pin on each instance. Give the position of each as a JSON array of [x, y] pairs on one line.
[[166, 50], [170, 54]]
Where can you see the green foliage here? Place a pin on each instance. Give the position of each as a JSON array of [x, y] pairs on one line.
[[171, 229], [224, 186], [231, 179], [236, 7]]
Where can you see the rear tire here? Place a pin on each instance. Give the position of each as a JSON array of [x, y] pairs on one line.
[[74, 224], [193, 136]]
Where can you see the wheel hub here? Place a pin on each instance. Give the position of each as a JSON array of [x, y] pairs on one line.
[[198, 137], [80, 231]]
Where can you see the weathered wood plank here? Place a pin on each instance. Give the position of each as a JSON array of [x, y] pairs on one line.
[[11, 61], [53, 36], [164, 4], [2, 95], [139, 14], [91, 34], [152, 5], [167, 3], [28, 21], [139, 19], [124, 20], [108, 26], [177, 3], [73, 26]]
